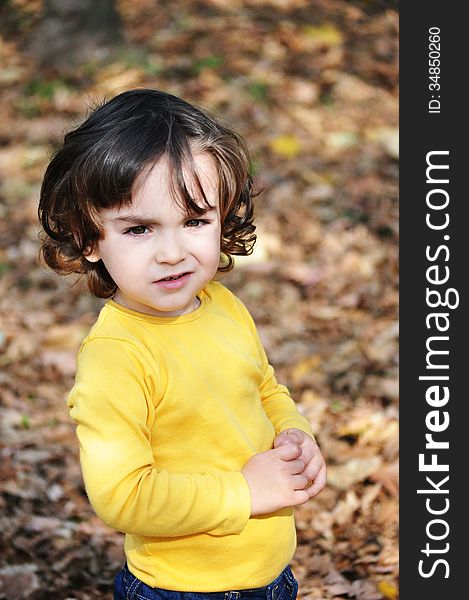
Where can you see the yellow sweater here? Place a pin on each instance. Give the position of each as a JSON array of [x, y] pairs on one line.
[[168, 411]]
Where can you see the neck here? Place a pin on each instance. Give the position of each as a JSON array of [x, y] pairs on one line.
[[118, 298]]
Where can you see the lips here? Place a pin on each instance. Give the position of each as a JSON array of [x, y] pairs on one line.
[[172, 283], [173, 277]]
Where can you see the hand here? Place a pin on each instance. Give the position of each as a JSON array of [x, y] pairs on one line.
[[275, 480], [311, 456]]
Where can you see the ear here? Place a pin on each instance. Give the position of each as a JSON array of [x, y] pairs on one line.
[[92, 254]]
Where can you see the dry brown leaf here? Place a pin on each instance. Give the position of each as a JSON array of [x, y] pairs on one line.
[[388, 476], [371, 494], [361, 589], [337, 584], [386, 511], [345, 509], [19, 581], [65, 337], [353, 471]]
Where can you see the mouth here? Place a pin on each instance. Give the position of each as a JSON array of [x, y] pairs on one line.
[[173, 277]]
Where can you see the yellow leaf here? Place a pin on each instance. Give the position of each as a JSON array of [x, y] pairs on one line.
[[288, 146], [388, 590], [305, 366], [327, 34]]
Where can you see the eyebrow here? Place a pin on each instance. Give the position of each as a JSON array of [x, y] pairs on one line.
[[140, 220]]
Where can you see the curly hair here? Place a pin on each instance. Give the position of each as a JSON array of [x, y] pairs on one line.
[[98, 165]]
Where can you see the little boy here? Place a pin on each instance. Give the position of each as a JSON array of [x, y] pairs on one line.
[[188, 444]]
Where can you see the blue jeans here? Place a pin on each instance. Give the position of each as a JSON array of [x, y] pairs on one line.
[[128, 587]]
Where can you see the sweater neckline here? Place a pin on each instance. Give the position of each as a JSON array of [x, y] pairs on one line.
[[203, 296]]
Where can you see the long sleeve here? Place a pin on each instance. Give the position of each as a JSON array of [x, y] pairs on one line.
[[113, 404], [277, 402]]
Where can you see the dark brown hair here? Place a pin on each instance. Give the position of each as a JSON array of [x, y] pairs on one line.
[[99, 162]]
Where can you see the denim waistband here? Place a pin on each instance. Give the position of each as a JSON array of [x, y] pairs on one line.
[[284, 587]]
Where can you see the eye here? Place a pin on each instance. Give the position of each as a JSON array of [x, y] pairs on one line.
[[195, 222], [137, 230]]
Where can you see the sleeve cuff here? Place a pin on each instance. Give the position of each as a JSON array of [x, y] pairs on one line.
[[297, 423], [239, 496]]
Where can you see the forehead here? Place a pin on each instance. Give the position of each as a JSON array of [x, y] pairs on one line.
[[167, 176], [163, 190]]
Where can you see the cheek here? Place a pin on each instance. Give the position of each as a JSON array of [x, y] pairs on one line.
[[209, 244], [209, 254], [120, 265], [216, 246]]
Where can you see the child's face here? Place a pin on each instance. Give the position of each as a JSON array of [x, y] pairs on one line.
[[152, 240]]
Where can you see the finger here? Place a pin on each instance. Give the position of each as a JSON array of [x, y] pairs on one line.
[[318, 484], [299, 497], [314, 466], [299, 482], [306, 454], [294, 467], [287, 452], [288, 436]]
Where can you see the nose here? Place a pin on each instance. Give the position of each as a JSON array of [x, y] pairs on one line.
[[170, 249]]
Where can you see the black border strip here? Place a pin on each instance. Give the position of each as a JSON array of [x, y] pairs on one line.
[[433, 131]]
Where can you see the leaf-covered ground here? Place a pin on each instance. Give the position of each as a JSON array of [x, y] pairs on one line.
[[312, 85]]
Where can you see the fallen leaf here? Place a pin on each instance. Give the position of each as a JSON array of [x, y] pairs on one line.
[[324, 35], [65, 337], [345, 509], [388, 476], [304, 367], [388, 137], [361, 589], [65, 362], [388, 590], [371, 494], [18, 582], [287, 146], [353, 471], [337, 584]]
